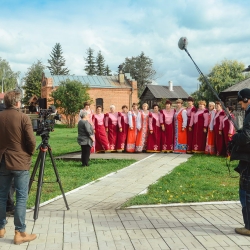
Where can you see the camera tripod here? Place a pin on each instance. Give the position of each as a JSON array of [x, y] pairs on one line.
[[44, 147]]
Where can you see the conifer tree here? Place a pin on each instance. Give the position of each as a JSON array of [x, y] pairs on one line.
[[57, 61], [107, 71], [100, 64], [90, 67], [33, 80]]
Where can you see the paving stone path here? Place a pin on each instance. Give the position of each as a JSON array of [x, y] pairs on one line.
[[95, 221]]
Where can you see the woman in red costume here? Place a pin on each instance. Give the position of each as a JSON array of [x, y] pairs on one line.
[[101, 140], [142, 136], [134, 121], [123, 129], [180, 124], [111, 120], [210, 148], [191, 109], [154, 137], [228, 127], [167, 126], [220, 147], [199, 122]]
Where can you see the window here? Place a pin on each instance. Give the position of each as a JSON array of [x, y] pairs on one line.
[[99, 102]]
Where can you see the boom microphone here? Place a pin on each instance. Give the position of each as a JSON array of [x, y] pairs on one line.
[[182, 44]]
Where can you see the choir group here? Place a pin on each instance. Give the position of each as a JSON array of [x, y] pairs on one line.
[[180, 130]]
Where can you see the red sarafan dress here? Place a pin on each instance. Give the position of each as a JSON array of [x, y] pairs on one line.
[[180, 137], [142, 134], [122, 135], [134, 121], [154, 139], [210, 147], [167, 136], [190, 114], [220, 147], [228, 129], [111, 120], [101, 140], [199, 122]]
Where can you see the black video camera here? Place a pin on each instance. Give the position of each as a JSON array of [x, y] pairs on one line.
[[46, 120]]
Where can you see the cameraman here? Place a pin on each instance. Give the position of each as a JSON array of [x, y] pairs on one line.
[[17, 144], [241, 151]]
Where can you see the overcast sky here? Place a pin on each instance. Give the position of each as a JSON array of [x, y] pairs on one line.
[[216, 30]]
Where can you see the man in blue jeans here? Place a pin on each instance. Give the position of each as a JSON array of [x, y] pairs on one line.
[[241, 151], [17, 145]]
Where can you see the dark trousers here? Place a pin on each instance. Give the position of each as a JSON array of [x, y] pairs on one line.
[[245, 203], [85, 154]]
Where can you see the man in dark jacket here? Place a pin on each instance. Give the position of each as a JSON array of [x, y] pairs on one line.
[[241, 152], [17, 144]]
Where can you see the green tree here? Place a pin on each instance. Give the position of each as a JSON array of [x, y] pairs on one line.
[[8, 78], [222, 76], [90, 67], [141, 69], [69, 98], [57, 61], [107, 71], [100, 64], [33, 79]]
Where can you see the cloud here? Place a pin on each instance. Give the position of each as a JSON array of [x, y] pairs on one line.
[[215, 29]]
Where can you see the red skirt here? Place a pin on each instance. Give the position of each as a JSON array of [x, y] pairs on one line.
[[199, 139], [122, 138], [154, 140], [112, 136], [101, 140], [167, 138], [219, 142]]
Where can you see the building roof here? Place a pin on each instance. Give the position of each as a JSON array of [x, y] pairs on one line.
[[238, 86], [93, 81], [160, 91]]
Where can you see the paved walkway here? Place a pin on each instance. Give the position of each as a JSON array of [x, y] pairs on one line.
[[95, 221]]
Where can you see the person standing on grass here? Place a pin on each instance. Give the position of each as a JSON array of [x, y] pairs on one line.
[[210, 149], [154, 137], [220, 147], [198, 124], [191, 109], [241, 140], [180, 124], [134, 121], [167, 127], [101, 140], [111, 125], [123, 129], [17, 145], [85, 137]]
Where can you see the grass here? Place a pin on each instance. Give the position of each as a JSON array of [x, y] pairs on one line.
[[202, 178], [72, 174]]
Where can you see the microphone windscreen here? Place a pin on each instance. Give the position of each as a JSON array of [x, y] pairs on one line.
[[183, 42]]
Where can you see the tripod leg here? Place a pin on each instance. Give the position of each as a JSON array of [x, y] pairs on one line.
[[58, 178], [32, 177], [40, 183]]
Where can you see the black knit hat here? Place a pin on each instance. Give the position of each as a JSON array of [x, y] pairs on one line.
[[244, 94]]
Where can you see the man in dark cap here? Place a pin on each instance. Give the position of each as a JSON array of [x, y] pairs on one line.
[[242, 153]]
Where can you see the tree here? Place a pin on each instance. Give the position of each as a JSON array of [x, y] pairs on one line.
[[141, 69], [69, 98], [100, 64], [222, 76], [33, 80], [90, 67], [57, 61], [107, 71], [8, 78]]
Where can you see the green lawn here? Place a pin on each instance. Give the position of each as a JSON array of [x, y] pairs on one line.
[[72, 174], [202, 178]]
